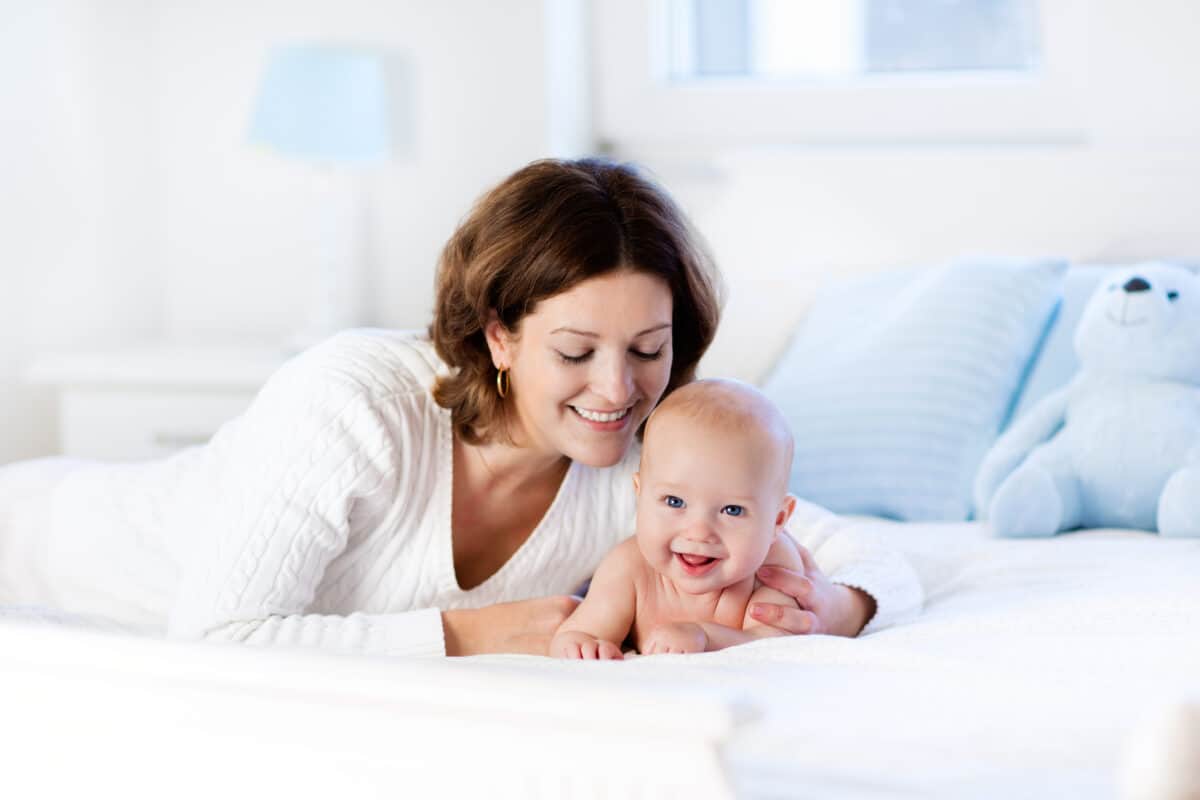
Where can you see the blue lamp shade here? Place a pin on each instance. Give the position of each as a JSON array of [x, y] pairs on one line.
[[324, 103]]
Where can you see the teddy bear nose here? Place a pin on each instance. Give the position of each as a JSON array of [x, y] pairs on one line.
[[1136, 285]]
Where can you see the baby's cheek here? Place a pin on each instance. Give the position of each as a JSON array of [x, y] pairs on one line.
[[744, 564], [762, 547]]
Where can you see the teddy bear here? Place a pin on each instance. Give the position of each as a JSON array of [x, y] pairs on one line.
[[1119, 445]]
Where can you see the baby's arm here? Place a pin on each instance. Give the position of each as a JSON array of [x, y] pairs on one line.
[[598, 626]]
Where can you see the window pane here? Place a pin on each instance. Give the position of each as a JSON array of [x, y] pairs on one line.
[[838, 39]]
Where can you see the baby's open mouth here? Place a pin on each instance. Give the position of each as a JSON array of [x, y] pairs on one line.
[[695, 564]]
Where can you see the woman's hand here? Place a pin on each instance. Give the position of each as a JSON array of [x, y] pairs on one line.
[[526, 626], [825, 607]]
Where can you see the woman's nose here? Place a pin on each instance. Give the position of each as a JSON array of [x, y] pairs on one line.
[[615, 384]]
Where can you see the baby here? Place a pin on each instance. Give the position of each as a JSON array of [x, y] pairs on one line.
[[712, 503]]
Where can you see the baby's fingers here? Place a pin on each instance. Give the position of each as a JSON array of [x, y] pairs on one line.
[[609, 652]]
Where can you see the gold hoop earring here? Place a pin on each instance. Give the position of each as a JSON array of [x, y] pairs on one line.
[[502, 382]]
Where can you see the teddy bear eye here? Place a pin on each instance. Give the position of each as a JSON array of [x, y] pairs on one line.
[[1172, 296]]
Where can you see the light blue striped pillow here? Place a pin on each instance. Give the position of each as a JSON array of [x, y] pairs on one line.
[[897, 384]]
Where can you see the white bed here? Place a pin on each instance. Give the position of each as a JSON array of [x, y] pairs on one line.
[[1030, 674]]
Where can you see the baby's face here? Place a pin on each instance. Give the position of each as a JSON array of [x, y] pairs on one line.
[[709, 503]]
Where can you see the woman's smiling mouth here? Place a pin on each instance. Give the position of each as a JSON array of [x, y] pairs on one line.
[[603, 420]]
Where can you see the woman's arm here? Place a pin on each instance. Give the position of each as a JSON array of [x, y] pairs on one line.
[[268, 508]]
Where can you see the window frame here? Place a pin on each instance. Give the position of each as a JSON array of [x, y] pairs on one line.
[[637, 107]]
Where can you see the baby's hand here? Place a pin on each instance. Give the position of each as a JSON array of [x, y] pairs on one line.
[[577, 644], [676, 637]]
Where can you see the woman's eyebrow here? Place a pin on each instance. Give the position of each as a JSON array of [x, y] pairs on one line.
[[593, 335]]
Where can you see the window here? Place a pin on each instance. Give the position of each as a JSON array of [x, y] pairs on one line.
[[847, 39], [838, 71]]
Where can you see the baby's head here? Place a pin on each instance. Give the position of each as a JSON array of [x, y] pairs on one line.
[[712, 486]]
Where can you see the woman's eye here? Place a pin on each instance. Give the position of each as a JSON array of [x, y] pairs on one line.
[[673, 501], [733, 511], [1172, 296], [647, 356], [579, 359]]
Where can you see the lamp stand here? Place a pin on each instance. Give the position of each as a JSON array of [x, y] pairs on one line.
[[336, 293]]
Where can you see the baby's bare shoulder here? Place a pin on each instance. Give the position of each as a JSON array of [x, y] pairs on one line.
[[624, 563], [626, 556], [784, 552]]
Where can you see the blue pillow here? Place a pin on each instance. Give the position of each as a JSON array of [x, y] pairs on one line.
[[896, 385]]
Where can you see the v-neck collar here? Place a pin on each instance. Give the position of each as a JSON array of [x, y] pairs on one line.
[[522, 555]]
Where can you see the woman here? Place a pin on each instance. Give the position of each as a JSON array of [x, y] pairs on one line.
[[397, 494]]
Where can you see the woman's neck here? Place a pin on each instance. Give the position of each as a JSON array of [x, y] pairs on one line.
[[499, 466]]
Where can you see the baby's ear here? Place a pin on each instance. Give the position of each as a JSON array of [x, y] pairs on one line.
[[637, 484], [785, 510]]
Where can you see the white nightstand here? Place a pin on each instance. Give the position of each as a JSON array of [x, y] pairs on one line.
[[152, 400]]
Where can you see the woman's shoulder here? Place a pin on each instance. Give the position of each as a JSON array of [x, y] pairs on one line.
[[374, 362]]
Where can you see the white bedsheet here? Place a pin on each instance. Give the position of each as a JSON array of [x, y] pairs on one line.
[[1030, 666], [1023, 677]]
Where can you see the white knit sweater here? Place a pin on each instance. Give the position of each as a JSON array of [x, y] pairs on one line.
[[321, 517]]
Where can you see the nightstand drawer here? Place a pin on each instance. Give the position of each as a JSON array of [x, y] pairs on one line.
[[152, 399], [111, 423]]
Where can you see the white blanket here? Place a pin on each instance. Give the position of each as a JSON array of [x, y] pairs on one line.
[[1024, 677]]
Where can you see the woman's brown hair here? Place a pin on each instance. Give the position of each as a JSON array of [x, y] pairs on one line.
[[548, 227]]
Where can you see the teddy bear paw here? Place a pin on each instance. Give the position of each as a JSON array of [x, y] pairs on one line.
[[1026, 505], [1179, 504]]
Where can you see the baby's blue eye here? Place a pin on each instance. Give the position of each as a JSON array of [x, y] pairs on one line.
[[733, 511], [673, 501]]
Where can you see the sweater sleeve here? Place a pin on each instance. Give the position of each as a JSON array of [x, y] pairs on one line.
[[852, 556], [270, 507]]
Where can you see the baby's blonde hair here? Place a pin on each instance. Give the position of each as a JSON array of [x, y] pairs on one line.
[[729, 405]]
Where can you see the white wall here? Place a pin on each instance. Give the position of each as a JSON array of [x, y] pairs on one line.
[[78, 218], [781, 220], [238, 221], [133, 207]]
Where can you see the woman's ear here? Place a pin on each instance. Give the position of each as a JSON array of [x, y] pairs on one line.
[[637, 484], [499, 341], [785, 510]]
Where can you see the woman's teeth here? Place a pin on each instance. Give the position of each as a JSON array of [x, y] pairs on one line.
[[596, 416]]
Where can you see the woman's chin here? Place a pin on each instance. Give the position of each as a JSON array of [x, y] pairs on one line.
[[599, 455]]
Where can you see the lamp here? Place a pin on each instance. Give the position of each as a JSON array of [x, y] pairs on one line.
[[329, 106]]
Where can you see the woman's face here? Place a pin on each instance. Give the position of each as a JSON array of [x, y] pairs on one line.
[[588, 366]]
